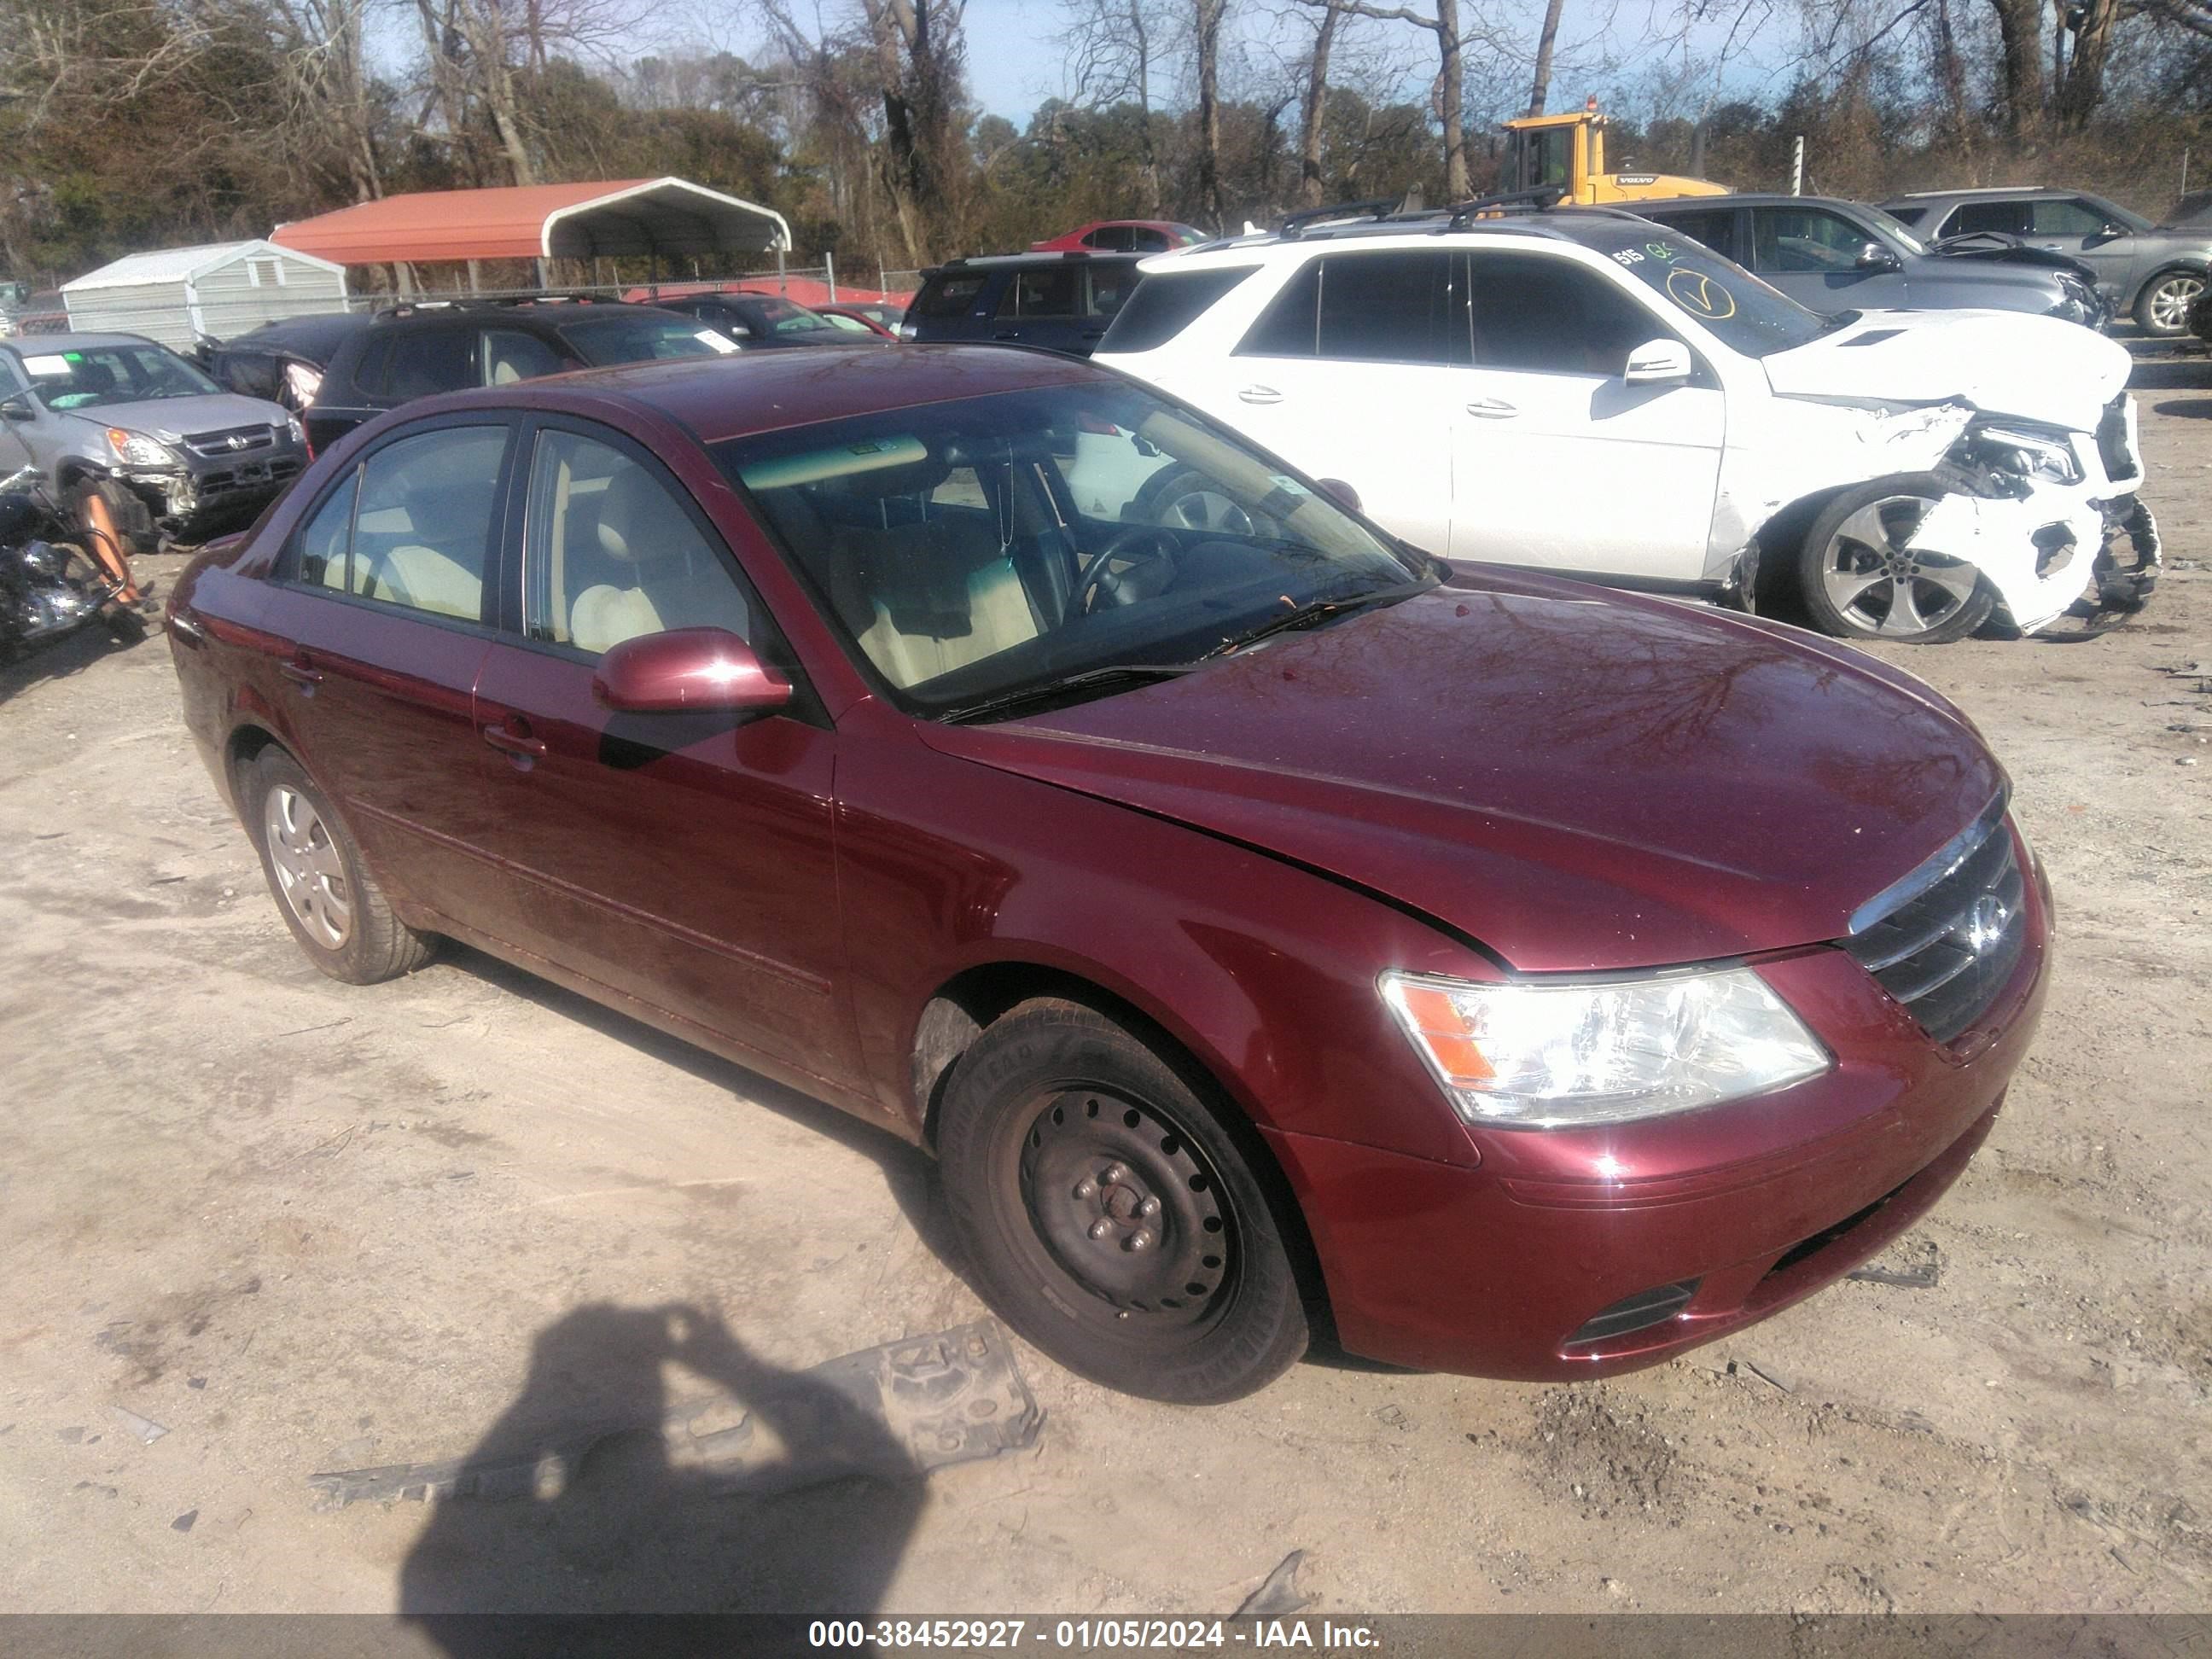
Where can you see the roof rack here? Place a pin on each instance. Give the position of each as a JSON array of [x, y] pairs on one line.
[[490, 302], [1541, 199], [1290, 224]]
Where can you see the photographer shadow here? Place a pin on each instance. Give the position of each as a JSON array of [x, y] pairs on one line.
[[587, 1497]]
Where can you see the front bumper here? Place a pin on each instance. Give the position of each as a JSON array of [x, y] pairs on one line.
[[1512, 1268], [2044, 548], [183, 500]]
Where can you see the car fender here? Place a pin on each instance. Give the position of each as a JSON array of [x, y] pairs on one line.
[[1997, 536], [1807, 449]]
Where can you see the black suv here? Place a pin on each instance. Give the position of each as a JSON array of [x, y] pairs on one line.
[[419, 350], [1062, 301], [764, 321]]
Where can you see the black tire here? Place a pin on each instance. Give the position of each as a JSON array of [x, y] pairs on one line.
[[132, 518], [1058, 1128], [124, 625], [374, 944], [1859, 582], [2162, 308]]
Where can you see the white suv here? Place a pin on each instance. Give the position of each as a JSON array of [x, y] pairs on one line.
[[1584, 391]]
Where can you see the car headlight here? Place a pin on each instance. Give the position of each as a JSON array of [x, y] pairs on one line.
[[137, 449], [297, 433], [2032, 457], [1563, 1055]]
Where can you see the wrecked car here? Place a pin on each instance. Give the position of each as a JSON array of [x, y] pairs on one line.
[[137, 442], [1580, 390], [1268, 928]]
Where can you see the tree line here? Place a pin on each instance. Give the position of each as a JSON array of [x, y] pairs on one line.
[[127, 124]]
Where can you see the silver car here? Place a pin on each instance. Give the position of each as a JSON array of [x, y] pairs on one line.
[[126, 431], [2150, 272]]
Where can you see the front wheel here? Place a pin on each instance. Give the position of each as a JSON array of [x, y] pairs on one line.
[[1109, 1213], [1862, 579], [2162, 308]]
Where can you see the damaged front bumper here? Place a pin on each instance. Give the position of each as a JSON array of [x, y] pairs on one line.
[[2039, 510], [184, 501]]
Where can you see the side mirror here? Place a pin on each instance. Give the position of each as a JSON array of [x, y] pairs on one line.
[[2109, 229], [1339, 492], [687, 669], [1872, 256], [18, 408], [1656, 361]]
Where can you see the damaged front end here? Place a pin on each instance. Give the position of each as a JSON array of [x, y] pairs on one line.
[[2049, 516]]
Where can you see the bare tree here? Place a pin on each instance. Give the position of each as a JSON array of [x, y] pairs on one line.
[[1448, 91], [1112, 48], [1539, 90], [1208, 16], [1314, 107]]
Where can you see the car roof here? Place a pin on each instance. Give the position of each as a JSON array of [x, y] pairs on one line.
[[1590, 227], [1982, 190], [318, 333], [742, 394], [1753, 199], [41, 345], [982, 263]]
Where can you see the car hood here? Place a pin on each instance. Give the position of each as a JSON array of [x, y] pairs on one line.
[[1578, 780], [2039, 369], [170, 418]]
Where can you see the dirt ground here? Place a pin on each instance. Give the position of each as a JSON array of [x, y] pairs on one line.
[[304, 1227]]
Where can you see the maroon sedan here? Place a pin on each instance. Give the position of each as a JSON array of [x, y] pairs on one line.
[[1266, 927]]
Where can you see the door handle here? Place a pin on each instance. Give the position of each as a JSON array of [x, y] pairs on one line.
[[514, 738], [1492, 409], [303, 673], [1008, 334], [1260, 394], [182, 627]]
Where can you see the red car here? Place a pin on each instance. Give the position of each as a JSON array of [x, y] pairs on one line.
[[1268, 928], [1125, 236], [874, 319]]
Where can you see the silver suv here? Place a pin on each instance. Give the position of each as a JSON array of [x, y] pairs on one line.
[[126, 430], [2150, 272]]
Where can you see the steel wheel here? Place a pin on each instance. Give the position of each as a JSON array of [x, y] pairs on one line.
[[2164, 308], [1127, 1208], [1878, 584], [309, 872]]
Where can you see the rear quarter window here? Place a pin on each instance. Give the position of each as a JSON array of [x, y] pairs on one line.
[[1166, 304]]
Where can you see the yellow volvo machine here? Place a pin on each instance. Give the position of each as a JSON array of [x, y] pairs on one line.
[[1568, 151]]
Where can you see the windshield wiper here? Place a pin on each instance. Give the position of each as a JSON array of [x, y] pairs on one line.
[[1099, 678], [1316, 611]]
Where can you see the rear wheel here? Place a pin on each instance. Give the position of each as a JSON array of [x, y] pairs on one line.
[[2162, 308], [326, 896], [1863, 580], [1109, 1213]]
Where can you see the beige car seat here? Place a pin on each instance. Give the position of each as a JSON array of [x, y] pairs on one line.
[[676, 580], [925, 598], [423, 573]]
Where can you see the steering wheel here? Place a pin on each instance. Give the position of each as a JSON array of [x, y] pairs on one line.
[[1137, 546]]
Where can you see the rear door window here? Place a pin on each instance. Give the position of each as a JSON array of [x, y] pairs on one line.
[[426, 362], [412, 527], [2006, 218], [1714, 226], [509, 355], [1046, 291], [1108, 288], [1383, 308]]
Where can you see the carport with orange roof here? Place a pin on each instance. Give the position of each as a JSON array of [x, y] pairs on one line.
[[660, 220]]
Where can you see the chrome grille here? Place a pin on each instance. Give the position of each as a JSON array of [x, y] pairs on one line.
[[231, 440], [1945, 939]]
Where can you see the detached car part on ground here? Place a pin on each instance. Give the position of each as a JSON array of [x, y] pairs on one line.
[[1584, 391], [1266, 933], [135, 443]]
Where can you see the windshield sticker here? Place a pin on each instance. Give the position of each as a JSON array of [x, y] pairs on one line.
[[720, 343], [1289, 486], [1699, 294], [46, 365]]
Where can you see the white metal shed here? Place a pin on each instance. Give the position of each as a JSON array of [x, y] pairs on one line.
[[223, 289]]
